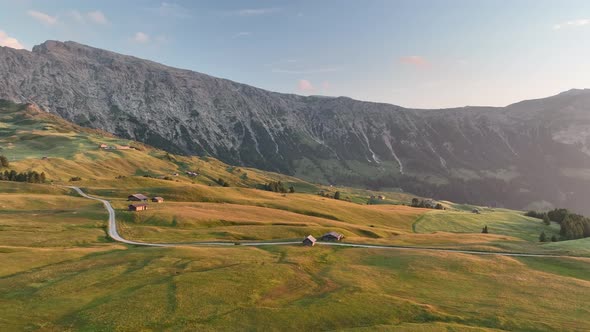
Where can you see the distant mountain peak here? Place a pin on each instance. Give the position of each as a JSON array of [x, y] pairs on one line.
[[575, 92]]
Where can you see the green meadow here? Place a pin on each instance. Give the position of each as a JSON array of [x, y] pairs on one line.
[[59, 271]]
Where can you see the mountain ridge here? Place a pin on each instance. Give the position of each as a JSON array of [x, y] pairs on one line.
[[484, 155]]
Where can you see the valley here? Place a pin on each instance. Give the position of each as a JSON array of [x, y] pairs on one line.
[[61, 271]]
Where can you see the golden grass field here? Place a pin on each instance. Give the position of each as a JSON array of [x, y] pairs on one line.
[[59, 271]]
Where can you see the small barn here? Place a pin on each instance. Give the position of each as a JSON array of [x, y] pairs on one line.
[[332, 236], [157, 199], [137, 197], [137, 207], [103, 146], [309, 241]]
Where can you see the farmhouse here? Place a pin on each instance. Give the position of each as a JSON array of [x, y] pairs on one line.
[[137, 207], [137, 198], [157, 199], [332, 236], [309, 241]]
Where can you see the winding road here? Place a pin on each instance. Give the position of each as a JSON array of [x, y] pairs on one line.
[[114, 234]]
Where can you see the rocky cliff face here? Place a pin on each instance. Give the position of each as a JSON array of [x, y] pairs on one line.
[[525, 155]]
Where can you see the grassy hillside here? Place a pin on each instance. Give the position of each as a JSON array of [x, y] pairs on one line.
[[59, 270], [77, 280]]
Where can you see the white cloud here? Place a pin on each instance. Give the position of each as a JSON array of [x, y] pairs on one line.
[[242, 34], [169, 9], [304, 86], [255, 11], [572, 23], [42, 17], [8, 41], [141, 37], [97, 17], [77, 16]]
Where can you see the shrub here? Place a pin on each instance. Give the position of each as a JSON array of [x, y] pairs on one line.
[[4, 162]]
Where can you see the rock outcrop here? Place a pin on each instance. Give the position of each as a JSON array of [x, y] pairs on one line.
[[526, 154]]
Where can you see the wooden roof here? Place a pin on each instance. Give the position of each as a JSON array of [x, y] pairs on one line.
[[334, 234], [138, 205]]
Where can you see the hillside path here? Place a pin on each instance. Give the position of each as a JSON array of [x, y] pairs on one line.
[[114, 234]]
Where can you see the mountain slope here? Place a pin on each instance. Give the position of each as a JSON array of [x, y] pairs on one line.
[[527, 154]]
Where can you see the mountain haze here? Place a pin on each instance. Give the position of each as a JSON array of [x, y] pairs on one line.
[[530, 154]]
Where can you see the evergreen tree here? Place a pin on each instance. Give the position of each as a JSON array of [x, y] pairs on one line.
[[546, 220], [4, 162], [543, 237], [553, 238], [337, 195], [291, 189], [485, 229]]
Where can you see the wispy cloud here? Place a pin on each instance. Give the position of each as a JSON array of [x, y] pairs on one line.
[[97, 17], [242, 34], [42, 17], [6, 40], [169, 9], [141, 37], [304, 86], [415, 60], [572, 24], [77, 16], [255, 11]]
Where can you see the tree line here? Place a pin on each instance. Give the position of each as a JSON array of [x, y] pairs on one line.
[[426, 203], [30, 176], [572, 226], [277, 187]]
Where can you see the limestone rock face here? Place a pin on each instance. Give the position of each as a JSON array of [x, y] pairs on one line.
[[518, 156]]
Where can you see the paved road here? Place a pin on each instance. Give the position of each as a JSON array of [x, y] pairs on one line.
[[114, 234]]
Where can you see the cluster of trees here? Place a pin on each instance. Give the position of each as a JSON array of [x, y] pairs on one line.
[[278, 187], [426, 203], [30, 176], [543, 237], [222, 182], [572, 226], [329, 195], [4, 162]]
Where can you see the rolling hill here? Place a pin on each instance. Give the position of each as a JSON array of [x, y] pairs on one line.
[[532, 154], [60, 271]]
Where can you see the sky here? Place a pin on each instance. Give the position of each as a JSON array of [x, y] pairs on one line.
[[415, 53]]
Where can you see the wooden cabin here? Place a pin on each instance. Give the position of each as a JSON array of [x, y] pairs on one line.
[[137, 198], [137, 207], [309, 241], [332, 236], [157, 199]]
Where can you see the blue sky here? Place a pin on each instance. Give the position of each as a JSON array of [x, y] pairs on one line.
[[410, 53]]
